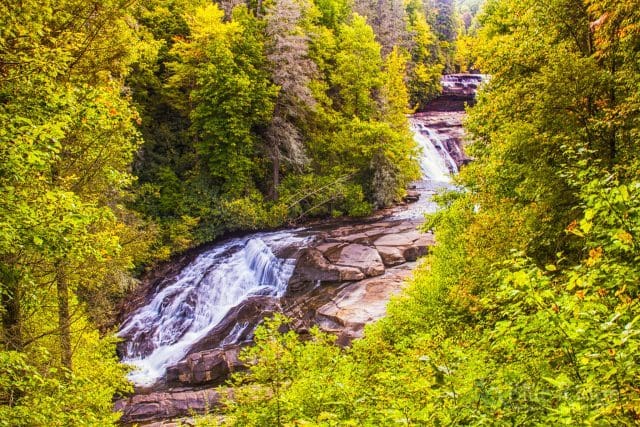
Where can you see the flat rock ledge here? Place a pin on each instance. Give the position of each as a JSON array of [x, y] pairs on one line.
[[354, 253], [146, 408], [360, 303]]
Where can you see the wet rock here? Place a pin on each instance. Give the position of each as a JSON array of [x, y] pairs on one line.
[[211, 367], [238, 324], [411, 197], [313, 268]]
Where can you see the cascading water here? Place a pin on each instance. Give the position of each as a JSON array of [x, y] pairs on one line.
[[161, 333], [436, 163], [462, 83]]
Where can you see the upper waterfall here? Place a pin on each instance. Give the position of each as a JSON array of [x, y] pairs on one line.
[[436, 162]]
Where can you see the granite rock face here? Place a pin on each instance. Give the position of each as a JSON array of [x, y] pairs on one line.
[[353, 253], [358, 304], [382, 252], [205, 367]]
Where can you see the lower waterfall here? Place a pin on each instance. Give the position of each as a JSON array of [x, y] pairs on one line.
[[162, 332]]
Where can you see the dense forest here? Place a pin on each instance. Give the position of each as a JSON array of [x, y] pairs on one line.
[[134, 130]]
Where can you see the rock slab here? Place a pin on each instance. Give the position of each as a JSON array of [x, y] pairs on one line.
[[144, 408]]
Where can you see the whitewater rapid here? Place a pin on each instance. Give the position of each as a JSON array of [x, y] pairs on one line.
[[161, 333]]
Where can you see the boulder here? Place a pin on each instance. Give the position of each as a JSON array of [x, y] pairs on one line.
[[166, 405], [330, 248], [313, 268], [364, 258], [411, 196], [390, 255], [333, 253], [362, 238], [350, 274], [423, 243], [210, 367]]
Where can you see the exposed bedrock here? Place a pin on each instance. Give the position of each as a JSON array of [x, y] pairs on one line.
[[341, 282], [145, 408], [346, 279]]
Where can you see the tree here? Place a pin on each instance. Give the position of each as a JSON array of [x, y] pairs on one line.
[[388, 19], [357, 73], [292, 71], [221, 67], [425, 66], [68, 141]]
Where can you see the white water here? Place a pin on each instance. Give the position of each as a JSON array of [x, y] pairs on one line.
[[469, 82], [199, 298], [435, 162]]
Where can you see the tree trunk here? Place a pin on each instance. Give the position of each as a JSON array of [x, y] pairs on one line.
[[12, 313], [64, 318], [276, 173]]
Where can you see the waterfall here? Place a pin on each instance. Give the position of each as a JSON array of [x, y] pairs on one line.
[[462, 83], [161, 333], [435, 162]]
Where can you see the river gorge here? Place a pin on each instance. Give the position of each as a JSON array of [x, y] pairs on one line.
[[184, 327]]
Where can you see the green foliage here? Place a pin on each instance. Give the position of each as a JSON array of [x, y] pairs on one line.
[[220, 67], [267, 394], [67, 241], [357, 71], [32, 397], [247, 109]]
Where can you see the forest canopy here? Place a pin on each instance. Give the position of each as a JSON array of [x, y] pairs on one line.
[[134, 130]]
